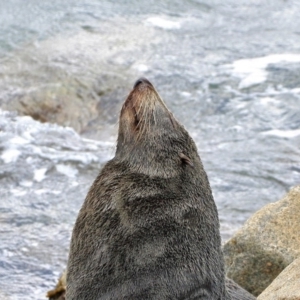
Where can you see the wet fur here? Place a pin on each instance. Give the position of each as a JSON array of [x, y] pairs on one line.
[[149, 227]]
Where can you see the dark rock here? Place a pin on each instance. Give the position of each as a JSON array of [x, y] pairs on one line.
[[286, 286]]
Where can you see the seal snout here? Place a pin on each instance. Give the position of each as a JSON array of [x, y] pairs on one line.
[[142, 81]]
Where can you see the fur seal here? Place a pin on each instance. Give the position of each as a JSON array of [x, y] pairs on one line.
[[149, 226]]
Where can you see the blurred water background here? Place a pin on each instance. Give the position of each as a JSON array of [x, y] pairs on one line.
[[228, 70]]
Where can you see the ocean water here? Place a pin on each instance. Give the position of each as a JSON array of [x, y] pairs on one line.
[[228, 71]]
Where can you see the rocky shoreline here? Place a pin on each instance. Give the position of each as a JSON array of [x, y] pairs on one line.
[[265, 252], [263, 257]]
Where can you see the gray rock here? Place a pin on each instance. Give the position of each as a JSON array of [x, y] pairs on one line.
[[265, 245], [77, 80], [286, 286], [236, 292], [69, 101]]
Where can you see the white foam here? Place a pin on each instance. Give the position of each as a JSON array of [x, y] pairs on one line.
[[41, 191], [295, 91], [39, 174], [269, 100], [46, 191], [163, 23], [18, 192], [271, 104], [17, 140], [7, 253], [141, 68], [283, 133], [26, 183], [10, 155], [253, 71], [186, 94], [66, 170]]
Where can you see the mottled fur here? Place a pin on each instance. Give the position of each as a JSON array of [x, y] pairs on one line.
[[149, 227]]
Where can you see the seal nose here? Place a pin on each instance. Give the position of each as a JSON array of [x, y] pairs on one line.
[[142, 81]]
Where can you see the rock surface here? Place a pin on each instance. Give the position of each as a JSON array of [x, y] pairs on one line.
[[286, 286], [83, 104], [59, 292], [265, 245], [236, 292], [78, 80]]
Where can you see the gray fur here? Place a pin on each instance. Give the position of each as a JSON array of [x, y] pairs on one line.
[[149, 227]]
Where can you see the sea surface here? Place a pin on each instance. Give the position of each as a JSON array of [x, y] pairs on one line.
[[228, 70]]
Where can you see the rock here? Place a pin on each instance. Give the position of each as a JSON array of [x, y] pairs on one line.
[[60, 290], [69, 101], [286, 286], [265, 245], [75, 80], [65, 103], [236, 292]]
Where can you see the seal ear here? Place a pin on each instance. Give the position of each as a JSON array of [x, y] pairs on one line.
[[185, 159]]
